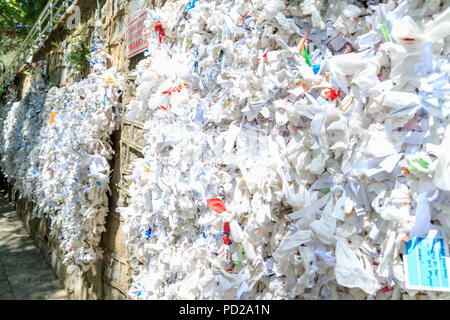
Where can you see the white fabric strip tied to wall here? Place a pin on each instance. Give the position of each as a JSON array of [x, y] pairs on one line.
[[11, 98], [20, 132], [292, 148], [64, 167]]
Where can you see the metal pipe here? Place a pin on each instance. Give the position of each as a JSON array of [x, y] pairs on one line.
[[99, 10]]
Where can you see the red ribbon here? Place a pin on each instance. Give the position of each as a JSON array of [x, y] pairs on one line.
[[160, 30], [216, 205], [332, 94], [226, 232], [386, 289]]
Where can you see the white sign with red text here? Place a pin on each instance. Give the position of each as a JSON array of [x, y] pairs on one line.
[[136, 43]]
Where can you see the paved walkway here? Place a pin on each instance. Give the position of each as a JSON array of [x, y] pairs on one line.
[[24, 274]]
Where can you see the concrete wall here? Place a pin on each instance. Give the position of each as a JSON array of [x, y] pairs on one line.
[[112, 274]]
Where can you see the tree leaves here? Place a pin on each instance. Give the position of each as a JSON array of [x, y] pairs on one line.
[[16, 19], [13, 13]]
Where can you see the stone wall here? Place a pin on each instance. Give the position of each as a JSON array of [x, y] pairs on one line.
[[110, 280]]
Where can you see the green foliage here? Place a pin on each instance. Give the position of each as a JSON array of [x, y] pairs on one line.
[[50, 85], [79, 48], [7, 44], [17, 17]]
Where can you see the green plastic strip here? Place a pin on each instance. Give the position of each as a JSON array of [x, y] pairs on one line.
[[385, 33], [305, 54], [421, 162]]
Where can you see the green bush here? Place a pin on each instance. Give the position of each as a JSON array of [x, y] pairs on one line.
[[79, 48]]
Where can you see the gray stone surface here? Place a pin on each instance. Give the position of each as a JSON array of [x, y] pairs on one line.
[[136, 7], [24, 274]]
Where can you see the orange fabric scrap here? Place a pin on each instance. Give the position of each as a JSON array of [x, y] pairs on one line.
[[52, 119]]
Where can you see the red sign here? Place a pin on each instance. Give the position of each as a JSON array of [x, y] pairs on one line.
[[136, 43]]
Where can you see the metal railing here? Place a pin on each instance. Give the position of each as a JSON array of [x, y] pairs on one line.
[[50, 16]]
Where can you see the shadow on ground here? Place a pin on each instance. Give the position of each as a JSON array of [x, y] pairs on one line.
[[24, 274]]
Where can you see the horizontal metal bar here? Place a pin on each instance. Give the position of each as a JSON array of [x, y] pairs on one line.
[[38, 19]]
